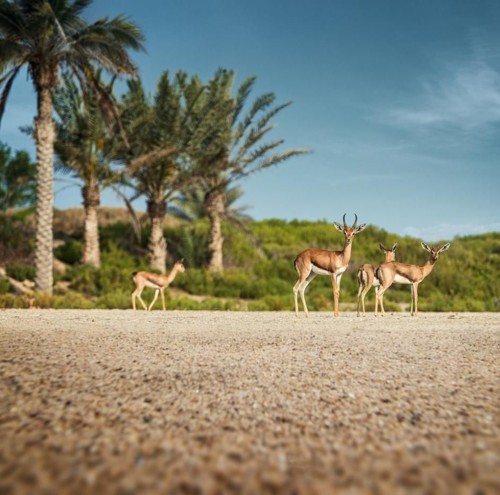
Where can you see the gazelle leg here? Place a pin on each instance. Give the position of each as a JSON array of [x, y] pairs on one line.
[[365, 291], [415, 296], [336, 293], [163, 298], [295, 294], [380, 300], [303, 288], [296, 289], [137, 293], [412, 297], [376, 299], [360, 292], [154, 299], [338, 278]]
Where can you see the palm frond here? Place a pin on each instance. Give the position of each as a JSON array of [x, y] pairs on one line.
[[6, 90], [241, 97]]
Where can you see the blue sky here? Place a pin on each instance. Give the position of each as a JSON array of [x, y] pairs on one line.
[[399, 101]]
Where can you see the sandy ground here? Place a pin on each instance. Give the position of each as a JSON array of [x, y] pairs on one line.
[[124, 403]]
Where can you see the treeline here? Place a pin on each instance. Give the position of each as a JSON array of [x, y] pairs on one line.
[[259, 272], [190, 138]]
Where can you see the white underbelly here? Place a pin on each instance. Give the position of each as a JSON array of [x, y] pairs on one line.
[[319, 271], [340, 270], [399, 279], [375, 283], [151, 285]]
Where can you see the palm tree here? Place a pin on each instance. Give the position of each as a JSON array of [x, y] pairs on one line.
[[237, 148], [155, 158], [46, 36], [190, 205], [84, 149]]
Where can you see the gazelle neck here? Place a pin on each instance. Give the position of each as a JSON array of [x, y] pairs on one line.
[[173, 273], [346, 252], [428, 266]]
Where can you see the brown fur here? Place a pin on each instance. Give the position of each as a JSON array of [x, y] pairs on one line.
[[388, 272], [333, 263], [154, 281], [366, 275]]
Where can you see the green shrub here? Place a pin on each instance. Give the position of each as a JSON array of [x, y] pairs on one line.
[[83, 279], [72, 300], [11, 301], [4, 286], [116, 300], [21, 272], [70, 252]]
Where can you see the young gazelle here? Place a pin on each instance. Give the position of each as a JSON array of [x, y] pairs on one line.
[[402, 273], [366, 275], [154, 281], [312, 262]]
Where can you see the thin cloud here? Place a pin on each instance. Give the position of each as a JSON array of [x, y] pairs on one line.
[[366, 179], [449, 231], [466, 98]]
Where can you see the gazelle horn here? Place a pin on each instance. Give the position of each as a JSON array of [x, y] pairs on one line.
[[345, 225], [355, 221]]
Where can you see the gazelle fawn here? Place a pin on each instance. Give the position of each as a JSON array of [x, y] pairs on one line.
[[366, 275], [402, 273], [312, 262], [154, 281]]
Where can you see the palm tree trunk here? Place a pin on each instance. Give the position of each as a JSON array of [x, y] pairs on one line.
[[157, 245], [44, 140], [91, 200], [215, 211]]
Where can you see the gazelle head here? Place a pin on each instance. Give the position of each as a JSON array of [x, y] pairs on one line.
[[435, 252], [179, 266], [350, 232], [390, 254]]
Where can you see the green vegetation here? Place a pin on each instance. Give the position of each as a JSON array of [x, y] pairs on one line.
[[17, 179], [259, 272]]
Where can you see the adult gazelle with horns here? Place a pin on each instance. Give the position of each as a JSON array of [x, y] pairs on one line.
[[312, 262]]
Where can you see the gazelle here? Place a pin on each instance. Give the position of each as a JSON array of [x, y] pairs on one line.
[[366, 275], [154, 281], [402, 273], [312, 262]]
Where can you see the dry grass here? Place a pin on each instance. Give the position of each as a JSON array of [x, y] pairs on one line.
[[179, 402]]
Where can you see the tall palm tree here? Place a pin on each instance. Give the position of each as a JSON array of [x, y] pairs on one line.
[[46, 36], [84, 149], [237, 148], [155, 158]]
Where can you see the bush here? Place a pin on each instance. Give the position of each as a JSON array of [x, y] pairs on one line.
[[72, 300], [21, 272], [4, 286], [116, 300], [11, 301], [70, 252]]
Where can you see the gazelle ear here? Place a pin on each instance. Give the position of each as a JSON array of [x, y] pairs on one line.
[[360, 228], [426, 247], [338, 227], [444, 248], [382, 247], [394, 247]]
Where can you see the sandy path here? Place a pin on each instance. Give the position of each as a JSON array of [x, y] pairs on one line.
[[213, 402]]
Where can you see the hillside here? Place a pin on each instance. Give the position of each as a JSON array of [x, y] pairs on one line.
[[259, 271]]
